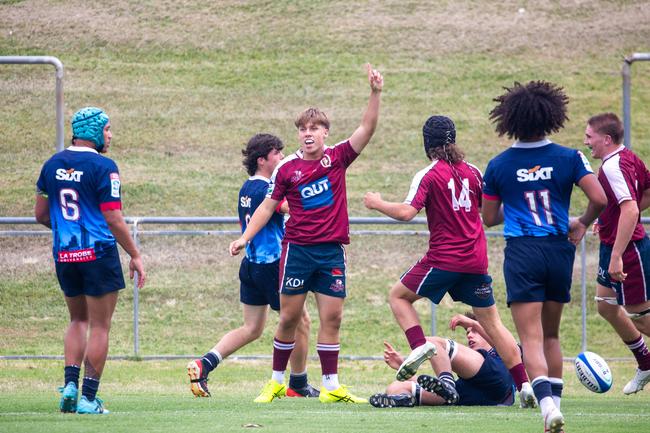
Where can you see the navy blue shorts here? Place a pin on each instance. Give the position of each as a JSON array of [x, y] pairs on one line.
[[636, 264], [538, 269], [259, 283], [317, 268], [491, 386], [472, 289], [95, 278]]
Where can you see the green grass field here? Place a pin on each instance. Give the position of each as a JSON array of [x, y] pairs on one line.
[[159, 400], [186, 83]]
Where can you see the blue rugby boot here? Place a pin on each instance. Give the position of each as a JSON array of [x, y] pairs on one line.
[[95, 407], [68, 403]]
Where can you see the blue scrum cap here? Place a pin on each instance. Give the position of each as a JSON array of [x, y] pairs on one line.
[[438, 131], [88, 124]]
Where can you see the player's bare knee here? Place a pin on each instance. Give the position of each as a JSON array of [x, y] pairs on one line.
[[253, 331], [607, 311], [397, 387], [288, 322], [643, 324]]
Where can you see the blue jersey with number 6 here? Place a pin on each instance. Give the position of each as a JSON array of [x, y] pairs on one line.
[[265, 247], [79, 184], [534, 181]]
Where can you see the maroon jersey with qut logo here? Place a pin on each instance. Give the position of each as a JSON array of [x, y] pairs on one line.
[[316, 194], [451, 195]]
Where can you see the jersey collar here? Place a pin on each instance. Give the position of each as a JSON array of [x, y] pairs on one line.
[[82, 149], [259, 177], [530, 144], [618, 149]]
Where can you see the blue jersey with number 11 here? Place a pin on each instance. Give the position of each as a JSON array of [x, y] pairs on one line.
[[534, 181]]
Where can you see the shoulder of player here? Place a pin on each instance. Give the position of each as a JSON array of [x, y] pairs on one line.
[[428, 170], [473, 167], [288, 161]]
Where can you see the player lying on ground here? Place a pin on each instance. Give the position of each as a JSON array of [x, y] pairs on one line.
[[483, 379]]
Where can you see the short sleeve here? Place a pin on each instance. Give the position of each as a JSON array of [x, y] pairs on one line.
[[277, 187], [581, 166], [109, 187], [344, 153], [41, 185], [417, 194], [490, 188]]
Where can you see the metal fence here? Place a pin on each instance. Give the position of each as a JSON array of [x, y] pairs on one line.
[[137, 222]]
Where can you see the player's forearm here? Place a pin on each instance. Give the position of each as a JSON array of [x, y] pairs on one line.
[[597, 199], [120, 231], [627, 221], [42, 211], [371, 116], [398, 211], [365, 131], [591, 213], [492, 213]]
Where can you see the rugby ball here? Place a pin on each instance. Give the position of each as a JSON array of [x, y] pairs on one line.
[[593, 372]]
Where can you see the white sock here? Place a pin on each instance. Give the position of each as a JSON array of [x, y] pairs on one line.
[[546, 405], [217, 354], [331, 381], [556, 381], [278, 376]]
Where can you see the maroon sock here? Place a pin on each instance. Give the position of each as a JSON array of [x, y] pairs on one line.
[[415, 336], [640, 351], [518, 373], [281, 353], [329, 357]]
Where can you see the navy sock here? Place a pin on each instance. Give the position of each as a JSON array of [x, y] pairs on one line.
[[298, 381], [556, 389], [71, 374], [542, 387], [448, 378], [210, 362], [89, 388]]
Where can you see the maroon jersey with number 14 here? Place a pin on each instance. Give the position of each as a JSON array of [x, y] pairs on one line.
[[451, 195]]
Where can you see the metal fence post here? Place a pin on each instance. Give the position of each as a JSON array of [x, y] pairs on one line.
[[136, 298], [627, 84], [31, 60]]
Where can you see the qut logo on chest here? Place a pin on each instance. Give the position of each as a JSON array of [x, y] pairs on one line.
[[316, 194], [315, 188], [69, 174], [535, 173]]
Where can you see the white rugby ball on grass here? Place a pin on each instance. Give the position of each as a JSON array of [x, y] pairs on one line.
[[593, 372]]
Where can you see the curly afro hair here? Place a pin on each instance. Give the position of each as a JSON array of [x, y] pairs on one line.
[[530, 111]]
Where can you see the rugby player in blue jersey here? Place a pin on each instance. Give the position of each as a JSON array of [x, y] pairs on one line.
[[528, 187], [78, 196], [258, 275], [483, 378]]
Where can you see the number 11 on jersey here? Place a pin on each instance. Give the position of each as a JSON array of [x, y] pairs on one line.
[[545, 199]]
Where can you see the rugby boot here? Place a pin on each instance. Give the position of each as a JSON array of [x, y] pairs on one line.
[[412, 362]]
